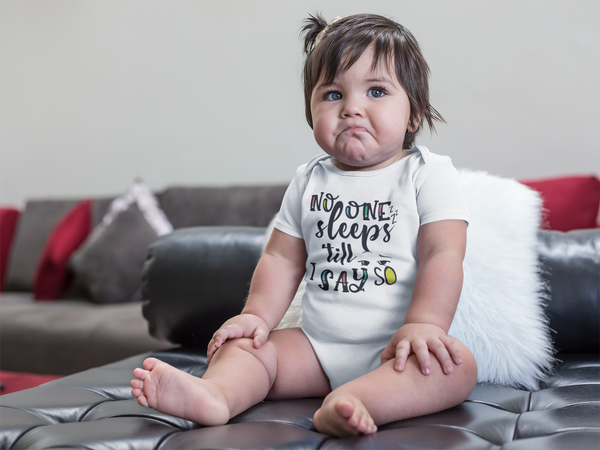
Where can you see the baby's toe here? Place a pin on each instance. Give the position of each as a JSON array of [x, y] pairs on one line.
[[149, 363], [140, 373], [367, 426], [142, 400], [346, 409], [137, 384], [358, 420]]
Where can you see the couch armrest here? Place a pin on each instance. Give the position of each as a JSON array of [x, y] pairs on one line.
[[196, 278], [571, 263]]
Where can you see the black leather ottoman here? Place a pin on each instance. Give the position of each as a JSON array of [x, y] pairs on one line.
[[95, 410]]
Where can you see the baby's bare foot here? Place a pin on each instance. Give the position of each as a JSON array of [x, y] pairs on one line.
[[343, 416], [172, 391]]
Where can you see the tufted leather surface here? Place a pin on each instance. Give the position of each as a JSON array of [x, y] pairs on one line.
[[95, 410]]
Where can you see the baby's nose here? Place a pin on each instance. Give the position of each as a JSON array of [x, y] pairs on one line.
[[352, 106]]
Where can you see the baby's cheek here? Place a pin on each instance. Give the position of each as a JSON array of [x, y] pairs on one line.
[[322, 137]]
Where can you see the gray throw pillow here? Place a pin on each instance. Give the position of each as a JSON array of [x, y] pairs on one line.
[[110, 266]]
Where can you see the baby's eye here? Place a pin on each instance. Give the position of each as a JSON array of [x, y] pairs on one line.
[[376, 92], [333, 95]]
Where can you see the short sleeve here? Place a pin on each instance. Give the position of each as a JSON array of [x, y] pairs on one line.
[[290, 214], [439, 192]]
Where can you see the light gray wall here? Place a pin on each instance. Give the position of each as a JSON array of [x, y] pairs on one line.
[[96, 92]]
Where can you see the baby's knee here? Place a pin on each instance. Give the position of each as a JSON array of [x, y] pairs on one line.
[[466, 355], [243, 343], [266, 353], [467, 367], [470, 365]]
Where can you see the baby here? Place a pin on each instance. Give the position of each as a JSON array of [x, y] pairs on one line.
[[377, 228]]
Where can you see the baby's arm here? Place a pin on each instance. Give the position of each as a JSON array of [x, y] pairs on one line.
[[272, 289], [440, 252]]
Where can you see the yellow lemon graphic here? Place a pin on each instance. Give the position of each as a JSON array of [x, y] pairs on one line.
[[390, 275]]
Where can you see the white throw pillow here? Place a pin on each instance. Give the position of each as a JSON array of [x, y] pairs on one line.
[[139, 193], [500, 315]]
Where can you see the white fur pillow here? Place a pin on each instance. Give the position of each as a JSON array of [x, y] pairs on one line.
[[500, 315]]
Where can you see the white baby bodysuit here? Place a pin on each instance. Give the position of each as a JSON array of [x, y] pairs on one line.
[[360, 230]]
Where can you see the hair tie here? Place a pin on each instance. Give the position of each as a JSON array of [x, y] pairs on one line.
[[324, 30]]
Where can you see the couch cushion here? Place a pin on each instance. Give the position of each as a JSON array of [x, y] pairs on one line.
[[67, 336], [201, 206], [8, 224]]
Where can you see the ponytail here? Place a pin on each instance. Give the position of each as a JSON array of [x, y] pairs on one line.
[[313, 26]]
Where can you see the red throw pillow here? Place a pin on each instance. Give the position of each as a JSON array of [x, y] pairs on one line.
[[52, 277], [570, 203], [8, 224]]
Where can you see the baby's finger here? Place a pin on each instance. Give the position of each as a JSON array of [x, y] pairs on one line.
[[402, 352], [452, 349], [212, 348], [215, 343], [260, 337], [227, 332], [439, 350], [388, 353], [420, 349], [217, 339]]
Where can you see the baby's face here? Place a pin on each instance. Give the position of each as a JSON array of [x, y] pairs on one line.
[[360, 119]]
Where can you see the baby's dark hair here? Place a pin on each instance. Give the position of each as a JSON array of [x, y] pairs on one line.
[[343, 42]]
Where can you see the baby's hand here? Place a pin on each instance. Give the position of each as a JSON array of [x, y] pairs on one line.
[[420, 339], [241, 326]]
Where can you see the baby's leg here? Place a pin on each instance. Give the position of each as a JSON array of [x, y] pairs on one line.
[[239, 376], [385, 395]]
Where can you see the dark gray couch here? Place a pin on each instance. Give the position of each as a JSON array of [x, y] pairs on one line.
[[195, 278], [74, 334]]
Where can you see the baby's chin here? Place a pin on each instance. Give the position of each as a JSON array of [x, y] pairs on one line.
[[352, 164], [361, 161], [354, 153]]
